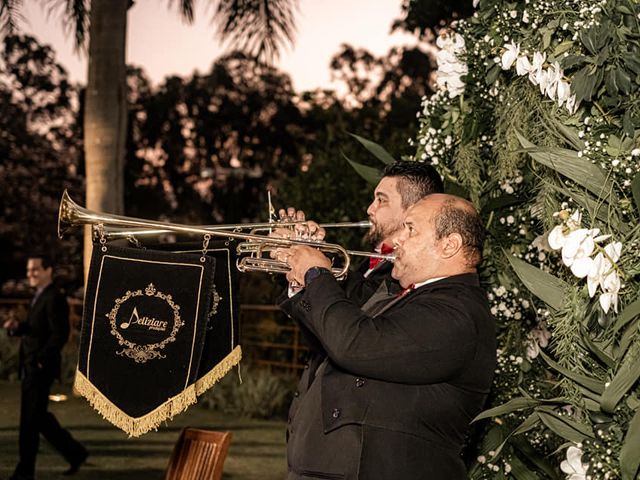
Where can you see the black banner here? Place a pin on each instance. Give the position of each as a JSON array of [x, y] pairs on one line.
[[144, 328], [221, 349]]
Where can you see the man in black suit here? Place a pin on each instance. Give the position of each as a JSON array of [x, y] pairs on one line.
[[44, 332], [395, 394]]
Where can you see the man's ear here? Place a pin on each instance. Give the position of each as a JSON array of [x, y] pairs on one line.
[[451, 245]]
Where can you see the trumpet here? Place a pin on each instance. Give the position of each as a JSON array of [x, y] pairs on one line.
[[254, 228], [71, 214]]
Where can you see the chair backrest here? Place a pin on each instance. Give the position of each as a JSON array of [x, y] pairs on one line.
[[198, 455]]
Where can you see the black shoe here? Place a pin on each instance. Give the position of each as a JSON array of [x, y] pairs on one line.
[[75, 465]]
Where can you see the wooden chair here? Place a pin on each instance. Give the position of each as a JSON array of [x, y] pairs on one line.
[[198, 455]]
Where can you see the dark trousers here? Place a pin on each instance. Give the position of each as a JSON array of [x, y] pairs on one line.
[[35, 419]]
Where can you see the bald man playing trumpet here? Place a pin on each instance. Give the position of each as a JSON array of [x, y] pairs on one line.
[[395, 392]]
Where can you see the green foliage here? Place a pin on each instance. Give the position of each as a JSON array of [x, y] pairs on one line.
[[630, 453], [550, 111], [543, 285], [377, 150], [260, 394], [41, 156], [370, 175], [635, 188]]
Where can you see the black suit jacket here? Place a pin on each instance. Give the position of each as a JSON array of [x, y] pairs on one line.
[[360, 288], [44, 332], [395, 395]]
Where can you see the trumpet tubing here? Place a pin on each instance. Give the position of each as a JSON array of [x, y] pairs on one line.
[[71, 215], [115, 232]]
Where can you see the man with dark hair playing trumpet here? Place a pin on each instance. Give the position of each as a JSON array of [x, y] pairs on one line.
[[402, 185], [395, 390]]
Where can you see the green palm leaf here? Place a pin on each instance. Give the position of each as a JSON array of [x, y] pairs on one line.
[[624, 379], [548, 288], [569, 164], [563, 426], [635, 189], [370, 174], [375, 149], [587, 382], [630, 452]]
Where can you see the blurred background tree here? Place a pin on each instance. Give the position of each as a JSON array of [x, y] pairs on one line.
[[41, 154], [205, 148]]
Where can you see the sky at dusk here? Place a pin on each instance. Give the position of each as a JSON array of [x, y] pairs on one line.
[[162, 44]]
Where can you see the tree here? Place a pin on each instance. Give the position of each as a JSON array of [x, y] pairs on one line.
[[260, 26], [204, 148], [424, 17], [40, 153]]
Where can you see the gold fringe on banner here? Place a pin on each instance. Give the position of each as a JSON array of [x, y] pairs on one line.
[[220, 370], [136, 426]]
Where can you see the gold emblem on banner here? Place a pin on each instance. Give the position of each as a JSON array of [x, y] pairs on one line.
[[137, 320], [215, 301]]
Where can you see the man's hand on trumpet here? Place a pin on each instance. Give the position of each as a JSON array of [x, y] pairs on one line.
[[309, 230], [301, 258]]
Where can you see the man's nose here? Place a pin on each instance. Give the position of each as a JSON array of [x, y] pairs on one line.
[[399, 239], [371, 208]]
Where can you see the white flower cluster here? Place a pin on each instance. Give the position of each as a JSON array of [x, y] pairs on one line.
[[494, 468], [507, 304], [573, 466], [434, 144], [578, 245], [451, 68], [589, 14], [550, 80], [508, 184]]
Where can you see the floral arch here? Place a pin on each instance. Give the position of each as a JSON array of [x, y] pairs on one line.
[[537, 120]]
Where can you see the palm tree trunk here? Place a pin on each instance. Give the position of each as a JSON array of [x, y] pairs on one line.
[[105, 114]]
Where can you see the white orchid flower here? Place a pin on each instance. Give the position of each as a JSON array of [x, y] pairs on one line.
[[542, 80], [611, 283], [476, 3], [575, 220], [599, 267], [607, 300], [573, 466], [554, 77], [614, 250], [581, 266], [602, 238], [510, 55], [537, 338], [611, 286], [523, 65], [563, 91], [536, 66], [557, 237], [577, 251], [571, 104]]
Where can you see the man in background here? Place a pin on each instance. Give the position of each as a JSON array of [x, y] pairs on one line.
[[44, 332]]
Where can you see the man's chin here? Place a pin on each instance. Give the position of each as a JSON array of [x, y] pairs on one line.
[[373, 238], [395, 272]]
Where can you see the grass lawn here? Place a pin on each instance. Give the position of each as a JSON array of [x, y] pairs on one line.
[[257, 449]]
